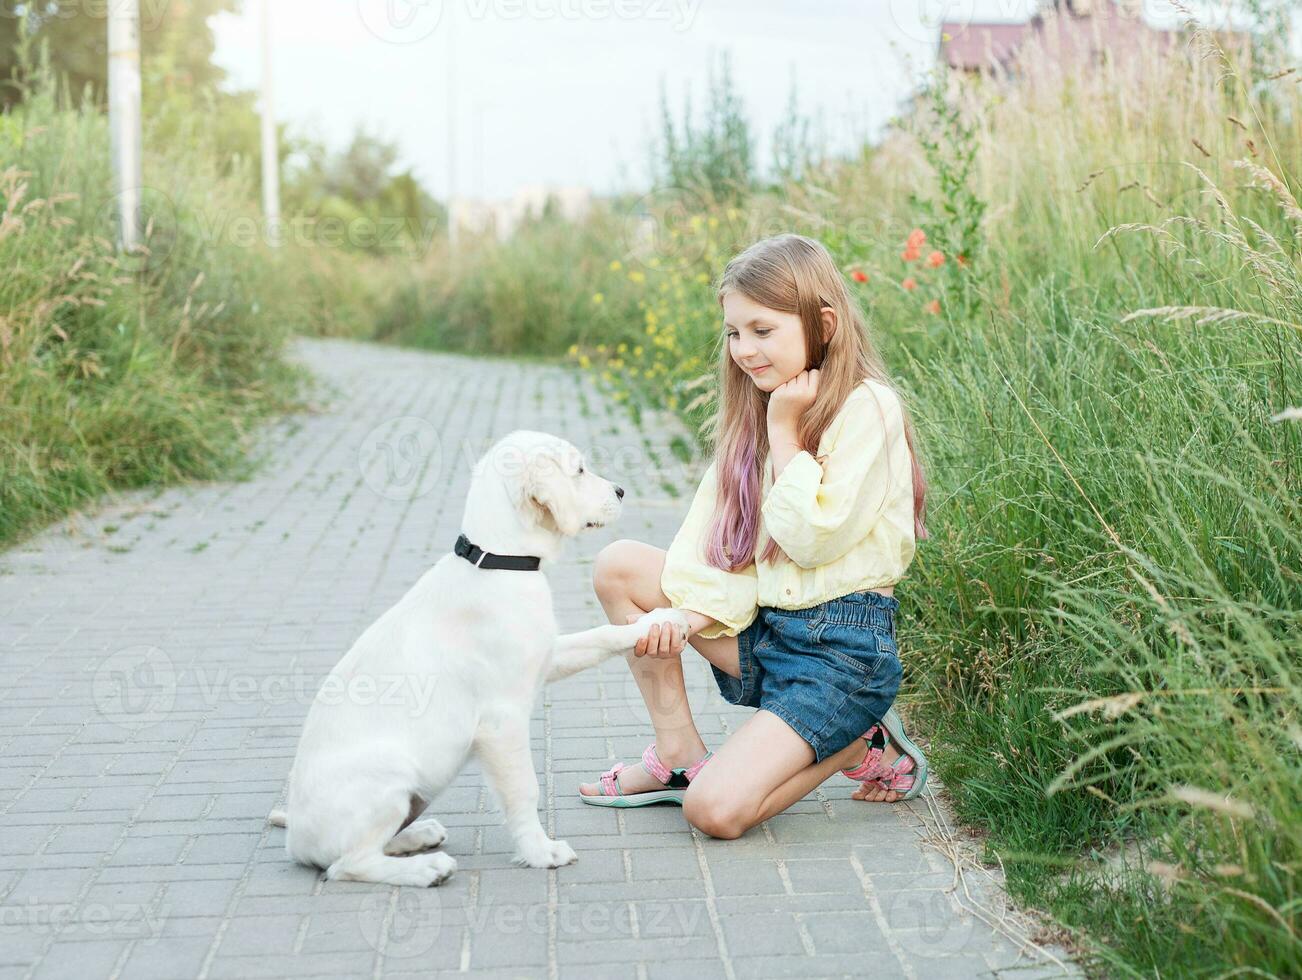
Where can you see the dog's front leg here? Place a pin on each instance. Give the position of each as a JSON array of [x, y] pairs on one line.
[[504, 752], [579, 651]]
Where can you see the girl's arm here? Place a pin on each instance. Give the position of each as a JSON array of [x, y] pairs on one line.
[[784, 444], [697, 621], [661, 644], [817, 512], [724, 602]]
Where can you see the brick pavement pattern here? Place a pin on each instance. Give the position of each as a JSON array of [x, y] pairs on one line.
[[160, 653]]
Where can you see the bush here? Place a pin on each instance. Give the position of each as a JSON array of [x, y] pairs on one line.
[[121, 371]]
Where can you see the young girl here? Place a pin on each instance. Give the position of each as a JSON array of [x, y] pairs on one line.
[[784, 568]]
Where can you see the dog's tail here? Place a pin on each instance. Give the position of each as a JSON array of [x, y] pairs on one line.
[[278, 818]]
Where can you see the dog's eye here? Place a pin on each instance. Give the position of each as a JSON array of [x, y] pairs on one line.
[[580, 470]]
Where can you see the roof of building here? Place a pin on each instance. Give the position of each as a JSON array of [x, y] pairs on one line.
[[981, 45]]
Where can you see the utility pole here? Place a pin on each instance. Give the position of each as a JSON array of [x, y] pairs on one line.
[[270, 149], [124, 116], [452, 132]]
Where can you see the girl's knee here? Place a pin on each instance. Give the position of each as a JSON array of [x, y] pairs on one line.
[[714, 814], [609, 569], [616, 565]]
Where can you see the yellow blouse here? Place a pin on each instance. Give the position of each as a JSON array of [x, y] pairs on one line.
[[847, 524]]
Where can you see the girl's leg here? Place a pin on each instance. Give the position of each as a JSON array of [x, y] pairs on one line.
[[626, 577], [762, 769]]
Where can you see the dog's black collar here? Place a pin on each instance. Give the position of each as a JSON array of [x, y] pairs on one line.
[[480, 558]]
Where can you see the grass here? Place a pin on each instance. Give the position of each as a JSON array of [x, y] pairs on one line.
[[121, 371]]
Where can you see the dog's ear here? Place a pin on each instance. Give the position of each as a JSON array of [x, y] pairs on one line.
[[548, 489]]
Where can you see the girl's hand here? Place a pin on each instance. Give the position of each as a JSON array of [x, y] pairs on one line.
[[661, 642], [788, 401]]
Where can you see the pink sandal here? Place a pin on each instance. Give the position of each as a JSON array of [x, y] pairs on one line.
[[872, 768], [675, 781], [906, 775]]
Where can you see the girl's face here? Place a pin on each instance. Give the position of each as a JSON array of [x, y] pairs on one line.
[[768, 345]]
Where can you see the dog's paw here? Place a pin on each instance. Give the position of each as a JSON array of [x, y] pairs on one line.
[[665, 615], [424, 835], [431, 869], [545, 854]]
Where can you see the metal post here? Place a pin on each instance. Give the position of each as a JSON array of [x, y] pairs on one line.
[[270, 149], [124, 116], [452, 132]]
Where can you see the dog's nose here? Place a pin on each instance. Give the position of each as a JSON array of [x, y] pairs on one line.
[[619, 492]]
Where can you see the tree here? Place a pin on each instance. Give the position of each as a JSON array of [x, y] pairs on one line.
[[76, 35]]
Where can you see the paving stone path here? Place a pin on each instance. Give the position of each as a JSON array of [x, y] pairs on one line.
[[160, 652]]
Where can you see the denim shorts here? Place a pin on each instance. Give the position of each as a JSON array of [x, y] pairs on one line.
[[830, 671]]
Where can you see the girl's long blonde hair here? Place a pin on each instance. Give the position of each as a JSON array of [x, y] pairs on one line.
[[791, 274]]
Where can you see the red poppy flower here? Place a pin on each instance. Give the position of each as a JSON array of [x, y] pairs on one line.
[[859, 275], [936, 259], [910, 284], [910, 254], [917, 238], [962, 260], [932, 307]]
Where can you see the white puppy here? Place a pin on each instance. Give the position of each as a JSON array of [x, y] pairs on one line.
[[454, 668]]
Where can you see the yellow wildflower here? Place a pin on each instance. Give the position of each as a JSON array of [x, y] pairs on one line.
[[616, 265], [598, 298]]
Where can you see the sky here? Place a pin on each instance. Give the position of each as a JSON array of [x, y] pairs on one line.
[[567, 92]]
